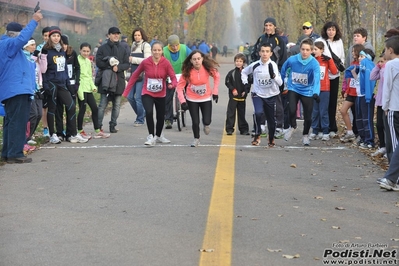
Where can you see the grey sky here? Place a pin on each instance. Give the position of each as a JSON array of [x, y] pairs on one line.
[[237, 6]]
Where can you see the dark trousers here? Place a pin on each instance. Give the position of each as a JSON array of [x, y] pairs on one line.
[[91, 101], [35, 115], [148, 103], [59, 118], [279, 112], [265, 106], [14, 127], [64, 98], [380, 126], [284, 100], [391, 121], [169, 105], [307, 104], [206, 111], [354, 126], [332, 106], [236, 107], [364, 119]]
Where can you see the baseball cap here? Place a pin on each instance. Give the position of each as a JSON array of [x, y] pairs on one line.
[[307, 24], [113, 30]]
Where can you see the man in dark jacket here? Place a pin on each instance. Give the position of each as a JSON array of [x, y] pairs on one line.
[[112, 56], [16, 88]]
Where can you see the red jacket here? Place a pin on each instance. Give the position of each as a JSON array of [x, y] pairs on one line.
[[326, 66], [154, 78]]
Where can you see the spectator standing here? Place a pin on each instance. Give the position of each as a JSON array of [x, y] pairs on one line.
[[308, 30], [204, 48], [124, 43], [224, 50]]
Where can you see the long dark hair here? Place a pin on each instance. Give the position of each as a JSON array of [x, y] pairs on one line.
[[331, 24], [209, 64]]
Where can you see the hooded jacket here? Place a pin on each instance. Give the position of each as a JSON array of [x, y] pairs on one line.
[[15, 70]]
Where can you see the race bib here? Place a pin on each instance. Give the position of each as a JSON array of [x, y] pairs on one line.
[[299, 78], [154, 85], [199, 89], [264, 81], [354, 83], [70, 70], [60, 61], [322, 72]]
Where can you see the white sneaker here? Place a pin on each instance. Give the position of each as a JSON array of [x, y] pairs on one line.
[[162, 139], [150, 140], [320, 135], [325, 137], [54, 139], [306, 140], [101, 135], [207, 129], [332, 134], [195, 143], [312, 136], [380, 152], [279, 133], [288, 133], [77, 139], [32, 142]]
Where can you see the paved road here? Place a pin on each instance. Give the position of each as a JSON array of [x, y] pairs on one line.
[[116, 202]]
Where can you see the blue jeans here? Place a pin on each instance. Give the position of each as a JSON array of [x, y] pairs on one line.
[[14, 131], [116, 106], [135, 101], [320, 118]]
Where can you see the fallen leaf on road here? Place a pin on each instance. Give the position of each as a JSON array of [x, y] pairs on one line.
[[303, 234], [395, 239], [293, 165], [344, 241], [318, 197], [291, 256], [274, 250], [280, 215], [296, 207], [207, 250], [323, 219], [340, 208], [254, 219], [358, 237], [316, 258], [333, 190], [335, 227]]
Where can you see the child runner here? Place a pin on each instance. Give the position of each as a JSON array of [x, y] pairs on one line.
[[267, 80], [303, 85], [365, 100], [157, 68], [196, 70], [378, 74], [350, 86], [320, 118], [237, 98], [85, 94]]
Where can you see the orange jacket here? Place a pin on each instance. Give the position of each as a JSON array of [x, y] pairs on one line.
[[326, 66]]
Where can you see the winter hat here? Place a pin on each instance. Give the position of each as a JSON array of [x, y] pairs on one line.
[[173, 40], [307, 24], [391, 32], [270, 20], [54, 29], [31, 41], [65, 39], [14, 26]]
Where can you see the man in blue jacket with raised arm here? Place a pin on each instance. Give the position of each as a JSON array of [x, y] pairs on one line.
[[16, 88]]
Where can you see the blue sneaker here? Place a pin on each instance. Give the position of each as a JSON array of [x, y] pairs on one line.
[[46, 133]]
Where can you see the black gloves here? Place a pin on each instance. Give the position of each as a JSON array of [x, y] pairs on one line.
[[184, 106], [215, 98], [271, 71], [44, 51], [36, 53], [247, 87], [251, 78], [316, 98], [325, 58]]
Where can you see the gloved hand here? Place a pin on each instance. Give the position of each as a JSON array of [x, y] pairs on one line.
[[251, 79], [271, 71], [44, 51], [184, 106], [247, 87], [325, 58], [36, 53], [215, 98], [316, 98], [113, 61]]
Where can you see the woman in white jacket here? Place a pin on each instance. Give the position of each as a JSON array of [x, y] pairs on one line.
[[140, 50]]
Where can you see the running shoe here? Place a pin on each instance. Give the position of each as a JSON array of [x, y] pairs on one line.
[[150, 141], [333, 134], [84, 135], [46, 133], [77, 139], [388, 185], [256, 141], [161, 139], [195, 143], [101, 135], [325, 137], [312, 136], [306, 141], [207, 129], [288, 133], [348, 137], [279, 134], [137, 124], [32, 142], [379, 152], [54, 139], [168, 124], [319, 135]]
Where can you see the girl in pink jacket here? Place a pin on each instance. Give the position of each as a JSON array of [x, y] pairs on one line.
[[195, 92]]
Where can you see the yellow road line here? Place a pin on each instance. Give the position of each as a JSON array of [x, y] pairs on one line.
[[219, 228]]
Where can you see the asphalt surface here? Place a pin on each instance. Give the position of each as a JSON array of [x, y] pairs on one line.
[[117, 202]]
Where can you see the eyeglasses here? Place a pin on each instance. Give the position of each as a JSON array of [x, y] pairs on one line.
[[306, 28]]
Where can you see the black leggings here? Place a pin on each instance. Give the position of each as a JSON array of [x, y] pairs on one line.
[[307, 103], [148, 104], [206, 111], [332, 105], [91, 101]]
